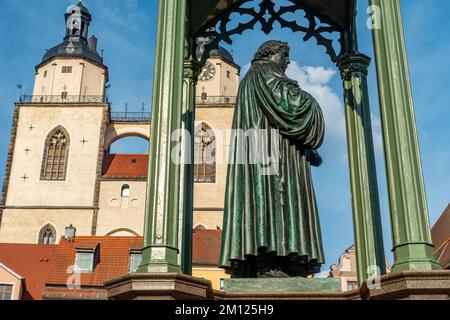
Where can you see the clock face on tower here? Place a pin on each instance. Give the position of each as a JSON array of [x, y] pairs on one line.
[[208, 72]]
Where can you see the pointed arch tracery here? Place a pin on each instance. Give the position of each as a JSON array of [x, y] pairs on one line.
[[47, 235], [204, 154], [56, 155]]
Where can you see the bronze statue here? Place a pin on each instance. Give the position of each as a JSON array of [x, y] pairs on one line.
[[271, 224]]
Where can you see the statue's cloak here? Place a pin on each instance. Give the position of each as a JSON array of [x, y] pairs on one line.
[[268, 213]]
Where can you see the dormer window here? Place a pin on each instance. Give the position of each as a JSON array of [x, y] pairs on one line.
[[135, 260], [66, 69], [86, 259]]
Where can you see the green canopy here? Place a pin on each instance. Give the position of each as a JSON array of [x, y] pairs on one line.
[[204, 13]]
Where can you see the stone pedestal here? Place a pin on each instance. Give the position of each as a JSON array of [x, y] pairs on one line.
[[407, 285], [291, 285], [410, 285], [159, 286]]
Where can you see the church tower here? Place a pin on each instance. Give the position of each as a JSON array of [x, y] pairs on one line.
[[216, 98], [60, 171], [56, 146]]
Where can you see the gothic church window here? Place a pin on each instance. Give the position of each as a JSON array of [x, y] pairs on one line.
[[204, 155], [54, 165], [47, 235]]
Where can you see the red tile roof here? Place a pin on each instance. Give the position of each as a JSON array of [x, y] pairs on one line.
[[45, 268], [112, 262], [206, 247], [114, 256], [441, 238], [30, 261], [125, 166]]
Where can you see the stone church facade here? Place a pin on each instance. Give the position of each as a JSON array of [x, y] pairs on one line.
[[60, 171]]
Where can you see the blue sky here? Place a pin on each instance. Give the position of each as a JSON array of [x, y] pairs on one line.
[[127, 30]]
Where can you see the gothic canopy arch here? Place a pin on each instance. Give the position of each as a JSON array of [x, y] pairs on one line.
[[329, 22]]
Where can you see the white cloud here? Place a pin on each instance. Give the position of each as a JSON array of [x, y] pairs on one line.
[[315, 80]]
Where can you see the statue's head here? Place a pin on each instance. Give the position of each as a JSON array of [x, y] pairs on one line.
[[275, 51]]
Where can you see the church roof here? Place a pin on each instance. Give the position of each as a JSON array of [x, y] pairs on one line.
[[72, 49], [125, 166], [223, 53], [81, 6], [75, 43]]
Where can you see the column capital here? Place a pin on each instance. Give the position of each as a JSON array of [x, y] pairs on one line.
[[353, 63], [191, 69]]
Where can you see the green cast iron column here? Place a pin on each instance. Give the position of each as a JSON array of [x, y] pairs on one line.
[[413, 249], [365, 201], [161, 247], [191, 69]]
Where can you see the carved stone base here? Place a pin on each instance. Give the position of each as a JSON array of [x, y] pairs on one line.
[[410, 285], [407, 285], [159, 286]]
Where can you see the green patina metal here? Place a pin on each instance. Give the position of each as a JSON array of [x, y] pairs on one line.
[[186, 207], [413, 248], [363, 178], [271, 217], [298, 285], [170, 191], [161, 230]]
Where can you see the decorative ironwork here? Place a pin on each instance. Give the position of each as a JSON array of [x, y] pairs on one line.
[[267, 13], [62, 99], [131, 116], [215, 100]]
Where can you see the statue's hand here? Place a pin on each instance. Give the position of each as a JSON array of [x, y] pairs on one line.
[[315, 159]]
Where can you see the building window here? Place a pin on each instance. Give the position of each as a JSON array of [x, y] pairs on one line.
[[6, 291], [64, 95], [135, 260], [54, 164], [47, 235], [125, 191], [45, 74], [86, 259], [352, 285], [66, 69], [229, 74], [205, 155]]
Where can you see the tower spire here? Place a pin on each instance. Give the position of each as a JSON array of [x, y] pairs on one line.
[[78, 20]]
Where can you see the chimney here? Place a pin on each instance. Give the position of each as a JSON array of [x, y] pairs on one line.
[[70, 232], [92, 44]]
